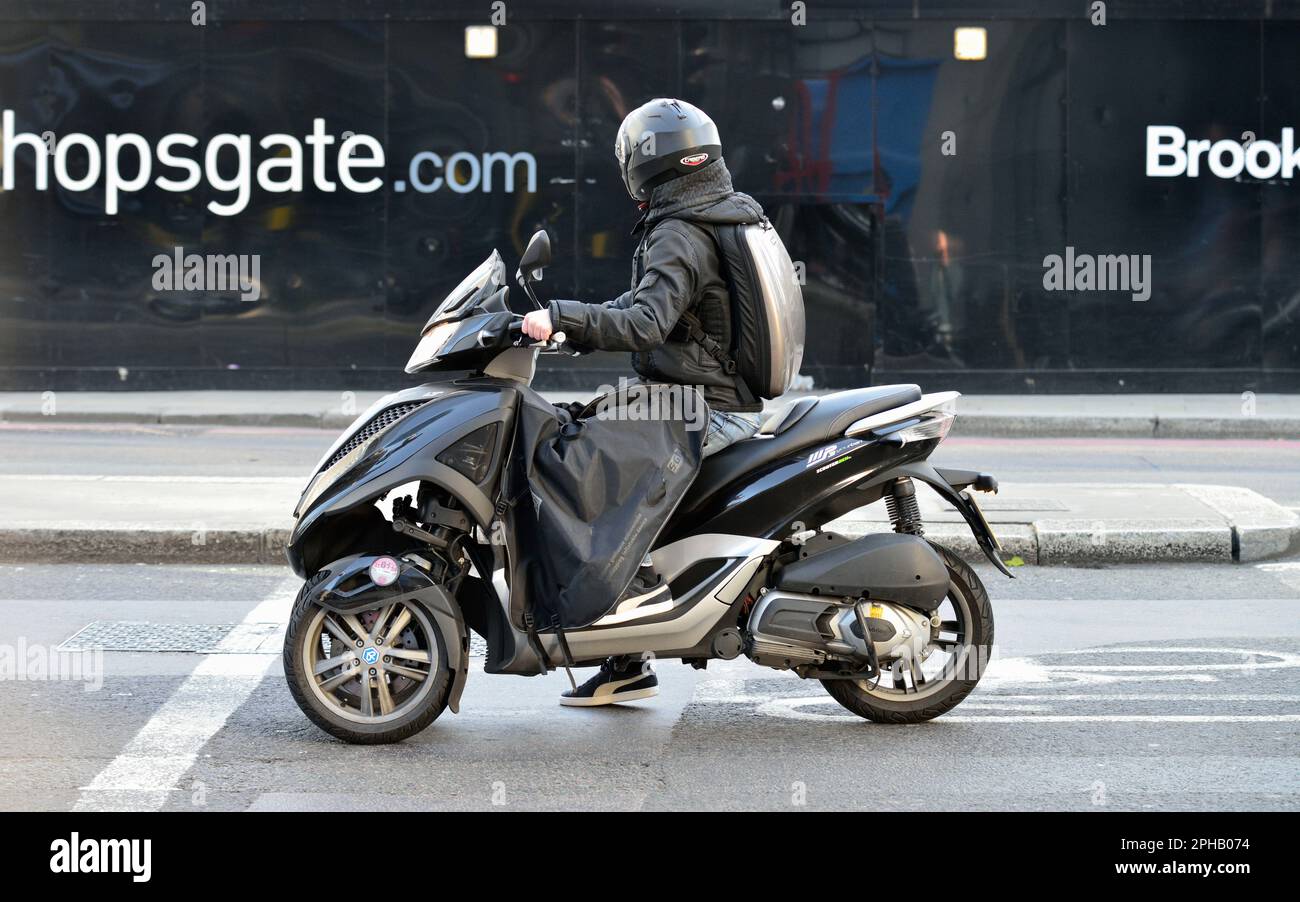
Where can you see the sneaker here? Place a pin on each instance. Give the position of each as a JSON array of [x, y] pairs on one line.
[[618, 680]]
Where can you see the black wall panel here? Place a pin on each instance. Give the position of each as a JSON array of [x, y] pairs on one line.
[[920, 264]]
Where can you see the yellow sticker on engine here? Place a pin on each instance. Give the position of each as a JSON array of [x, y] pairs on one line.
[[876, 611]]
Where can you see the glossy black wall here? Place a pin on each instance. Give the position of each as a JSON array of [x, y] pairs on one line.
[[920, 265]]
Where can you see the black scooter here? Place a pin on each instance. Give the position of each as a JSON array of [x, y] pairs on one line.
[[897, 629]]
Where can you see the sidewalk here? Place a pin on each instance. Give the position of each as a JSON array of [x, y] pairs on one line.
[[1089, 523], [148, 519], [1115, 416]]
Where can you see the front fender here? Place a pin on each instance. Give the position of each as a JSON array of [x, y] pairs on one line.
[[349, 588], [404, 453], [407, 452]]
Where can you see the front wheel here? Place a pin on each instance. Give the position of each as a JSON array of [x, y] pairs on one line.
[[368, 677], [905, 695]]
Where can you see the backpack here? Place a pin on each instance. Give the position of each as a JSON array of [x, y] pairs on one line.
[[767, 322]]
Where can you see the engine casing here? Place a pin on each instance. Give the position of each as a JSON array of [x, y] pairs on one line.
[[791, 629]]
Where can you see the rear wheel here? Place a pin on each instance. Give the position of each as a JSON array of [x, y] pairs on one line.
[[961, 651], [371, 676]]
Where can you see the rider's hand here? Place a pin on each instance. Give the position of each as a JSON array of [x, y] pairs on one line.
[[537, 325]]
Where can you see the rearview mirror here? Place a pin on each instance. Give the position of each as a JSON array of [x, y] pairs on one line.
[[536, 257]]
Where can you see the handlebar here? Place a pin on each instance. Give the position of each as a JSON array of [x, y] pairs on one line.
[[515, 329]]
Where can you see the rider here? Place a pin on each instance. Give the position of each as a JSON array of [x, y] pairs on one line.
[[670, 155]]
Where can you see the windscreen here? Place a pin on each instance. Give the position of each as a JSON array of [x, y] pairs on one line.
[[490, 274]]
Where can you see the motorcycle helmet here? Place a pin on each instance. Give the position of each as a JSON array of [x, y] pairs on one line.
[[663, 140]]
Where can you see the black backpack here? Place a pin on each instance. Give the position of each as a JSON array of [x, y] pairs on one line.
[[767, 322]]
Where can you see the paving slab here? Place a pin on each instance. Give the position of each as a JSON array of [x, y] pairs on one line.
[[1261, 529], [1244, 415], [1049, 523]]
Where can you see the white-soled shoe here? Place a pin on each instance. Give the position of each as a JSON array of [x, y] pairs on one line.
[[613, 684]]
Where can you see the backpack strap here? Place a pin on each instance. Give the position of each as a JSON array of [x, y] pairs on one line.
[[713, 347]]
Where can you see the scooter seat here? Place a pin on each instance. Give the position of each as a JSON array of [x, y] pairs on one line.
[[807, 421]]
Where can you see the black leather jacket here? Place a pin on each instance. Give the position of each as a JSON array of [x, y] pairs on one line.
[[675, 269]]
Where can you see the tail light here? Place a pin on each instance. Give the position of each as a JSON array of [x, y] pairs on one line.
[[934, 426]]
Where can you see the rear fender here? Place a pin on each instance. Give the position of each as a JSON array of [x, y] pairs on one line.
[[926, 472], [349, 588]]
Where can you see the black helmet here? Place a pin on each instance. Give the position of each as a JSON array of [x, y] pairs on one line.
[[663, 140]]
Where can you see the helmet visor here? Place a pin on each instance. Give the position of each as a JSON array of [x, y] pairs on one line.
[[622, 153], [621, 146]]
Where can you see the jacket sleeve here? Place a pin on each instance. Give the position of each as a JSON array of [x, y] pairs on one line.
[[641, 319], [622, 302]]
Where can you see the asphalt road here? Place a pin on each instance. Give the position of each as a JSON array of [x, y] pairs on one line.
[[1268, 467], [1162, 687], [1156, 687]]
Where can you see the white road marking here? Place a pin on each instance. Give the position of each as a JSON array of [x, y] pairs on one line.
[[1127, 719], [713, 691], [93, 477], [165, 748], [1028, 671], [256, 637], [792, 709], [1249, 661], [1287, 571], [720, 692], [1005, 673], [1140, 697]]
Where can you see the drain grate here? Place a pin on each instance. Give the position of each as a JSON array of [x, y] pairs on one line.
[[143, 635]]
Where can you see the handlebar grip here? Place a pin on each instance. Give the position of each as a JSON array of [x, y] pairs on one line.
[[516, 329]]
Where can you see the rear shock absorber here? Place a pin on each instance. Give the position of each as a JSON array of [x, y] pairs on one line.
[[904, 512]]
